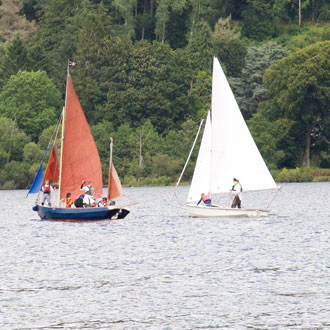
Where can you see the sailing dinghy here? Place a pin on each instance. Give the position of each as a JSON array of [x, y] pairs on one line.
[[227, 151], [79, 160]]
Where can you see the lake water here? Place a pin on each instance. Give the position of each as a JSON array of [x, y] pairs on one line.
[[160, 269]]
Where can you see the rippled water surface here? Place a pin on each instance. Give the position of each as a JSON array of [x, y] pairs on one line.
[[160, 269]]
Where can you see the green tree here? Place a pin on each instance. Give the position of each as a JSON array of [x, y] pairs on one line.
[[299, 88], [258, 20], [272, 139], [162, 15], [16, 59], [164, 165], [200, 47], [177, 145], [54, 42], [249, 89], [228, 47], [201, 10], [12, 141], [144, 140], [31, 153], [94, 49], [122, 158], [15, 175], [31, 100], [126, 9]]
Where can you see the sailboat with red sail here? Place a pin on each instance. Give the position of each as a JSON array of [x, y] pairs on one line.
[[79, 161]]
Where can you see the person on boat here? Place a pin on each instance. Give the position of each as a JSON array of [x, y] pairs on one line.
[[236, 190], [205, 198], [89, 192], [103, 202], [68, 201], [46, 190], [79, 202]]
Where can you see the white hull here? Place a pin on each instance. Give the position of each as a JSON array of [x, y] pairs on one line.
[[202, 211]]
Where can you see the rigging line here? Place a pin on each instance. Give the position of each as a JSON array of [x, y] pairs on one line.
[[268, 206], [133, 201], [185, 165]]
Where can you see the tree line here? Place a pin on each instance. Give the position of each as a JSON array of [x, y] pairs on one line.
[[143, 76]]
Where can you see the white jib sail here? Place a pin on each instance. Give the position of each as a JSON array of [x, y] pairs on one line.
[[234, 152], [202, 175]]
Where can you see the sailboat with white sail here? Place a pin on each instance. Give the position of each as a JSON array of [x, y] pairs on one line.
[[227, 151]]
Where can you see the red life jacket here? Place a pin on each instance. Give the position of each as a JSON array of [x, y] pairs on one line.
[[47, 188], [206, 198]]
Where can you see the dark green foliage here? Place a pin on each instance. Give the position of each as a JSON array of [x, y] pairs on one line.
[[228, 47], [15, 175], [12, 141], [143, 76], [200, 47], [249, 89], [258, 23], [15, 59], [299, 88], [325, 162], [273, 139]]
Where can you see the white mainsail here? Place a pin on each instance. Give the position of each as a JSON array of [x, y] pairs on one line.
[[202, 175], [228, 150]]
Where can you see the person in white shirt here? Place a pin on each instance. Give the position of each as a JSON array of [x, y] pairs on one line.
[[46, 193], [89, 192], [236, 190]]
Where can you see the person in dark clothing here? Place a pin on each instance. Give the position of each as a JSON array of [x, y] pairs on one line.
[[236, 190], [79, 201]]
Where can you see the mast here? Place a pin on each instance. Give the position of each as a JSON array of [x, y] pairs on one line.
[[62, 137], [110, 169]]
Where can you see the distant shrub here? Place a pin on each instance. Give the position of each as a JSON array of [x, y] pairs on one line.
[[321, 172], [321, 179], [295, 175], [148, 181], [9, 185]]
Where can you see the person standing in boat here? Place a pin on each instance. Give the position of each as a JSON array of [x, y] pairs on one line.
[[236, 190], [205, 198], [46, 193], [89, 192]]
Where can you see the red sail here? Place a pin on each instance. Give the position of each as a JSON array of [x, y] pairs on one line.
[[80, 160], [52, 170], [115, 189]]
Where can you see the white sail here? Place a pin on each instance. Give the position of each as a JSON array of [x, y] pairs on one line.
[[202, 175], [234, 152]]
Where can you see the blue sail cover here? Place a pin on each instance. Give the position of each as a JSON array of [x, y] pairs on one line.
[[36, 184]]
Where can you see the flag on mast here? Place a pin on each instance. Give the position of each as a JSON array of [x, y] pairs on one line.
[[72, 63]]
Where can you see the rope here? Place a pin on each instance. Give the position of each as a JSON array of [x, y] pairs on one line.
[[277, 190], [185, 165]]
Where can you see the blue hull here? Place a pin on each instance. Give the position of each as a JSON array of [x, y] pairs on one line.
[[82, 214]]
